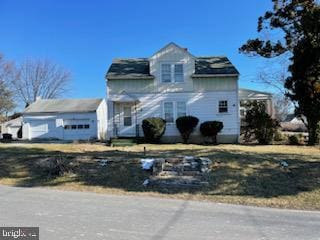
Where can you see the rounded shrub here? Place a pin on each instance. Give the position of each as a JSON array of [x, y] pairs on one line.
[[153, 129], [296, 139], [211, 129], [186, 126]]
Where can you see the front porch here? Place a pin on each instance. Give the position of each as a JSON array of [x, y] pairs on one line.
[[125, 117]]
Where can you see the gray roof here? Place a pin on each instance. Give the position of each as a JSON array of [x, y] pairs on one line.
[[139, 68], [253, 94], [133, 68], [214, 66], [63, 105], [17, 122]]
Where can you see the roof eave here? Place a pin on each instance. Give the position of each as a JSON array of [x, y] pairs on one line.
[[214, 75], [58, 112], [130, 77]]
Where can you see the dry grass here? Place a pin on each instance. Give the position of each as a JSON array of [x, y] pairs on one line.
[[240, 174]]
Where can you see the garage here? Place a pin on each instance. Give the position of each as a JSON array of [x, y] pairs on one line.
[[77, 129], [43, 129], [65, 119]]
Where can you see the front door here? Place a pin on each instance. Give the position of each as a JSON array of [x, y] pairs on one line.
[[127, 122]]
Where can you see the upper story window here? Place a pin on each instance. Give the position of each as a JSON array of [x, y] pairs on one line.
[[223, 106], [166, 73], [172, 73], [178, 73]]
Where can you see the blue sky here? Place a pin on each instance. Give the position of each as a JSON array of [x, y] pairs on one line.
[[84, 36]]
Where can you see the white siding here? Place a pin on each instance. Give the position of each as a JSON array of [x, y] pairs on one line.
[[202, 105], [102, 116], [46, 126], [172, 54]]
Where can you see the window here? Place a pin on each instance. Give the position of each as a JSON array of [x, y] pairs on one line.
[[73, 126], [80, 126], [178, 73], [166, 73], [168, 112], [127, 118], [86, 126], [223, 106], [67, 126], [172, 72], [181, 109]]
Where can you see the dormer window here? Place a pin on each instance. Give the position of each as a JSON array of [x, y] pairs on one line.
[[178, 73], [172, 73], [166, 73]]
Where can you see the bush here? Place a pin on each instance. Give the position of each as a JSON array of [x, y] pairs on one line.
[[278, 136], [294, 140], [211, 129], [153, 129], [7, 136], [259, 124], [186, 126]]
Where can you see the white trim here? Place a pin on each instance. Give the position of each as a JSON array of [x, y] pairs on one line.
[[175, 45], [175, 109], [224, 100], [172, 71], [213, 75]]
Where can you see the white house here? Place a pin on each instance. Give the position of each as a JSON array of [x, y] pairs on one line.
[[172, 83], [12, 127], [248, 95], [65, 119]]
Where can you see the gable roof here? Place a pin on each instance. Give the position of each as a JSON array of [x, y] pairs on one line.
[[129, 68], [173, 45], [16, 122], [253, 94], [63, 105], [139, 68]]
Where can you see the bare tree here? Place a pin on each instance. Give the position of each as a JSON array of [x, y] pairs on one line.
[[40, 78], [282, 106], [6, 95], [274, 73]]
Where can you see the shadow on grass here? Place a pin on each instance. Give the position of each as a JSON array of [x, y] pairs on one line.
[[234, 173]]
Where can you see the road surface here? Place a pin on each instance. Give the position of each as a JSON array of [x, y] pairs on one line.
[[78, 215]]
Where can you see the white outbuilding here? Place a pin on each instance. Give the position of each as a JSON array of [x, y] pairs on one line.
[[65, 119], [11, 127]]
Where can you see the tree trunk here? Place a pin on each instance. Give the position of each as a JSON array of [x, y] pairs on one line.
[[214, 139], [312, 130]]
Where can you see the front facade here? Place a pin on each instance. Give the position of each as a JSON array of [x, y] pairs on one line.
[[65, 119], [170, 84]]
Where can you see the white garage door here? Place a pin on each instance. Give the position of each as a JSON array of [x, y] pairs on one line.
[[42, 128], [78, 129]]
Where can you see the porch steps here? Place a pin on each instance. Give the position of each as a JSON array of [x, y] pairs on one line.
[[123, 142]]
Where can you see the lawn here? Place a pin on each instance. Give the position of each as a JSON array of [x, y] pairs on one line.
[[240, 174]]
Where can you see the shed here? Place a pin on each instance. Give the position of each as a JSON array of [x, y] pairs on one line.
[[12, 127]]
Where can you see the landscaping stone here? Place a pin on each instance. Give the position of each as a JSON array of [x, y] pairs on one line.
[[183, 171]]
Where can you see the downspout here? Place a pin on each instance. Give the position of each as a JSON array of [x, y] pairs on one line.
[[113, 119], [136, 116]]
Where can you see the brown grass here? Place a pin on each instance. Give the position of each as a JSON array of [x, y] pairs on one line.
[[240, 174]]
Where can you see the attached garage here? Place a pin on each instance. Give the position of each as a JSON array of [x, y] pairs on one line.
[[65, 119]]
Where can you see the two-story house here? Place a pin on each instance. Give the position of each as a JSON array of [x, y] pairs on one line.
[[169, 84]]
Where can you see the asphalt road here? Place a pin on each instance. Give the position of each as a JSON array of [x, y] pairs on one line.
[[77, 215]]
